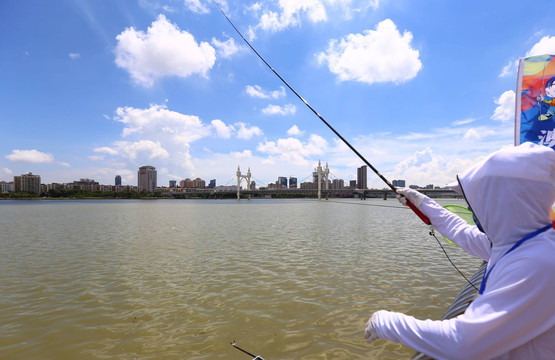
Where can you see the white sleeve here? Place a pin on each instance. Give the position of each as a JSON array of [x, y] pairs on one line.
[[516, 310], [472, 240]]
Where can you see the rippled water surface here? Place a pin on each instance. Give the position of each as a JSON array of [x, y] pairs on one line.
[[179, 279]]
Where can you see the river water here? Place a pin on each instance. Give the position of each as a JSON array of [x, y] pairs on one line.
[[180, 279]]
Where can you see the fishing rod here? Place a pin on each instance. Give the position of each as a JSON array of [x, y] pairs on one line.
[[254, 357], [422, 217]]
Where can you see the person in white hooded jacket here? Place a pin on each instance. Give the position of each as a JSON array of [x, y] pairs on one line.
[[511, 193]]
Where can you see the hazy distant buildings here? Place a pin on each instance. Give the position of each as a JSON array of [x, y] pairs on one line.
[[337, 184], [84, 184], [118, 180], [399, 183], [27, 183], [292, 182], [198, 183], [6, 187], [193, 184], [146, 178], [362, 176], [173, 183]]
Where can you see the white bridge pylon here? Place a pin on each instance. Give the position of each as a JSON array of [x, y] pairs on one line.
[[241, 177], [325, 174]]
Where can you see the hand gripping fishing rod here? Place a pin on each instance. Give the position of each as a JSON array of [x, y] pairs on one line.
[[413, 208]]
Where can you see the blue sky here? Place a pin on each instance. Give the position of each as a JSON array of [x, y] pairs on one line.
[[422, 89]]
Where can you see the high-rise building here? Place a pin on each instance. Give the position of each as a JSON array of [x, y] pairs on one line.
[[173, 183], [212, 183], [27, 182], [362, 178], [399, 183], [292, 182], [147, 178], [353, 184], [282, 182], [118, 180]]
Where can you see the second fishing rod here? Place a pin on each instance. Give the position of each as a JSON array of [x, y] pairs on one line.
[[413, 208]]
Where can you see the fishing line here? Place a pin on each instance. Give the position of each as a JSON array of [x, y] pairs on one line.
[[366, 204], [451, 261], [423, 217], [432, 233]]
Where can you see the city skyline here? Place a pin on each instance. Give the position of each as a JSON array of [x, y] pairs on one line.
[[93, 89], [147, 181]]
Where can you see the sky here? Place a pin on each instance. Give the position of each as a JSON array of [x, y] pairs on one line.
[[422, 89]]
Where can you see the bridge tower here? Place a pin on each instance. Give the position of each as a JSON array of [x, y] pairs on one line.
[[325, 173], [241, 177]]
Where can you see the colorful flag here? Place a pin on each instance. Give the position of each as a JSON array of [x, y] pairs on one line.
[[535, 101]]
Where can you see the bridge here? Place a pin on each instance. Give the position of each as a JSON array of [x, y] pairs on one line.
[[305, 193], [322, 180]]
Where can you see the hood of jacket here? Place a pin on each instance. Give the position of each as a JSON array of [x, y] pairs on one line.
[[511, 193]]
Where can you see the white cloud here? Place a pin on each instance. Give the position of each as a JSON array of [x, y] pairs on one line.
[[30, 156], [5, 172], [257, 92], [222, 130], [463, 122], [162, 51], [417, 159], [545, 46], [294, 131], [157, 133], [510, 69], [151, 149], [197, 6], [64, 164], [255, 7], [381, 55], [158, 120], [472, 134], [293, 151], [245, 154], [74, 56], [226, 49], [288, 109], [246, 133], [280, 15], [505, 109], [106, 150], [374, 3], [290, 12]]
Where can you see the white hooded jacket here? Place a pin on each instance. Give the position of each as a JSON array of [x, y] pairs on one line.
[[511, 193]]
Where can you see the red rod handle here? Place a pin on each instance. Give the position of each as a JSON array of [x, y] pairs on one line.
[[419, 213]]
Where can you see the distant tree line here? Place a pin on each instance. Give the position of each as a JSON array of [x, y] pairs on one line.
[[82, 194]]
